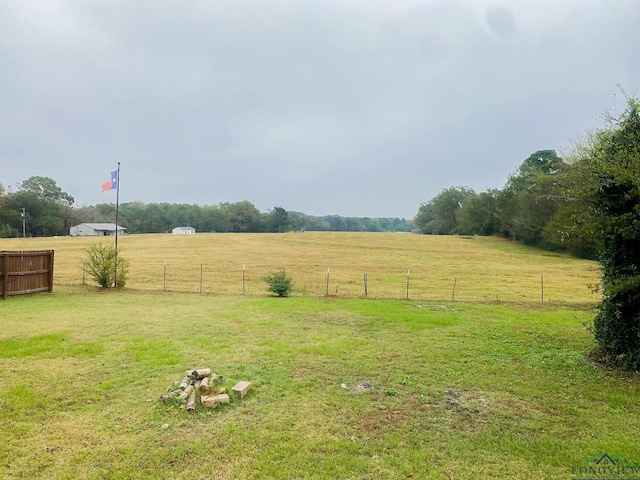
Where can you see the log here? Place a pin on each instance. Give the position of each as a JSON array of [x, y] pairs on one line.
[[199, 373], [191, 403], [208, 401], [166, 396], [218, 391], [186, 393], [222, 398], [212, 401], [205, 386], [184, 383]]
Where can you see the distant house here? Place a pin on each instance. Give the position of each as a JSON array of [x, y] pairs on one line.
[[183, 231], [96, 230]]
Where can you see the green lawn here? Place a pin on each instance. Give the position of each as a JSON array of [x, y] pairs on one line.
[[342, 388]]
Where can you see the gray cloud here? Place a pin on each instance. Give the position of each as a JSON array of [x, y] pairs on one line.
[[356, 108]]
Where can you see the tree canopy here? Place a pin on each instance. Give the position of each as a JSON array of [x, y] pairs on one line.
[[49, 211], [609, 169]]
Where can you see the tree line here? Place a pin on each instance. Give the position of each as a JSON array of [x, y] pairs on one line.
[[39, 207], [535, 207]]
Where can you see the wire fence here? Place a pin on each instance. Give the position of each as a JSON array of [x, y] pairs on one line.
[[344, 282]]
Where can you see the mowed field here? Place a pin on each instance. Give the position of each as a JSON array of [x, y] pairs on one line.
[[496, 384], [438, 267]]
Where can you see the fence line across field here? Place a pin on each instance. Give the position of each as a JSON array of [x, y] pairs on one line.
[[343, 282]]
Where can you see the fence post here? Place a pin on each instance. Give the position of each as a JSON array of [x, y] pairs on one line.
[[407, 284], [326, 292], [366, 292], [542, 288], [200, 278], [164, 277], [243, 279], [453, 294]]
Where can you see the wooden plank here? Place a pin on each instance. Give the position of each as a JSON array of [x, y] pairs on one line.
[[50, 271], [30, 272], [5, 275], [28, 291]]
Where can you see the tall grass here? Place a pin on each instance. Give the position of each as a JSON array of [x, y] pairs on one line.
[[486, 269]]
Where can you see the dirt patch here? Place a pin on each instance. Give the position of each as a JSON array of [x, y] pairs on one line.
[[468, 402], [363, 387]]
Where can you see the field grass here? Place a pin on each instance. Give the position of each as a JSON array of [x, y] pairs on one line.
[[342, 387], [482, 269]]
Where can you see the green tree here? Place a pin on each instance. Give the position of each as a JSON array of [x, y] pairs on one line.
[[373, 225], [213, 219], [610, 168], [353, 224], [244, 217], [439, 215], [46, 189], [478, 214], [278, 220], [422, 221], [531, 197]]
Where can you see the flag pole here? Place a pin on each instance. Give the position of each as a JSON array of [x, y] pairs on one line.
[[115, 273]]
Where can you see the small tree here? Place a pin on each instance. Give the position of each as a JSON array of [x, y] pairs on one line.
[[101, 262], [279, 283]]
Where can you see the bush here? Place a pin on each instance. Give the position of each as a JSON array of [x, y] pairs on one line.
[[279, 283], [101, 262]]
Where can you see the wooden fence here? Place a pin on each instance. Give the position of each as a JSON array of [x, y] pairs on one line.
[[26, 272]]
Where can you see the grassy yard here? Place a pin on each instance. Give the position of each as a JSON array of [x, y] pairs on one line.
[[342, 387]]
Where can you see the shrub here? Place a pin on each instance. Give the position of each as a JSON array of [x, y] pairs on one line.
[[279, 283], [101, 263]]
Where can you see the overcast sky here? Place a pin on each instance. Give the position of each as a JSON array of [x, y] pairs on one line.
[[349, 107]]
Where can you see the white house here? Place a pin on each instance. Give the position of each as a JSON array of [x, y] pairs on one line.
[[183, 231], [96, 229]]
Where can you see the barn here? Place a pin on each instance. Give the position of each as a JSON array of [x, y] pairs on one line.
[[183, 231], [96, 230]]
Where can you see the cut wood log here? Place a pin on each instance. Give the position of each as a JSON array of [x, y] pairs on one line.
[[199, 373], [218, 391], [187, 391], [166, 396], [184, 383], [208, 401], [222, 398], [205, 386], [212, 401], [191, 403]]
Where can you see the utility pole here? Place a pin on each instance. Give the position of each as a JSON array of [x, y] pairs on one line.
[[23, 223]]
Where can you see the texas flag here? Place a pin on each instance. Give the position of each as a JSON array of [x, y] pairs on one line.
[[111, 184]]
